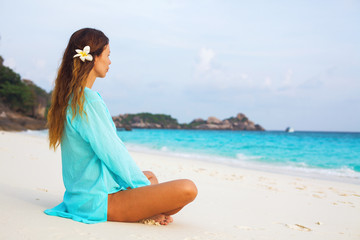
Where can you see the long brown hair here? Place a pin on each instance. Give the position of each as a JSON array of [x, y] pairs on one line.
[[71, 80]]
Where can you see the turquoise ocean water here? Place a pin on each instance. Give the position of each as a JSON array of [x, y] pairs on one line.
[[329, 155]]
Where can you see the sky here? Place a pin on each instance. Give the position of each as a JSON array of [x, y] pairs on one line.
[[281, 63]]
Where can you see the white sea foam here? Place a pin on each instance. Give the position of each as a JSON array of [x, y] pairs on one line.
[[303, 170], [164, 149], [243, 157], [39, 133]]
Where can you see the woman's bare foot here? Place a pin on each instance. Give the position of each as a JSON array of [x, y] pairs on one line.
[[169, 219], [160, 219]]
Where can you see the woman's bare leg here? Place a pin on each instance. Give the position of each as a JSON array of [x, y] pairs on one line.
[[144, 202], [165, 218]]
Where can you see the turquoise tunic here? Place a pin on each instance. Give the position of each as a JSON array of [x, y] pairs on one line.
[[95, 163]]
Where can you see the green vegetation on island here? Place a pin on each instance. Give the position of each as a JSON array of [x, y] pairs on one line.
[[145, 120], [23, 104], [148, 120]]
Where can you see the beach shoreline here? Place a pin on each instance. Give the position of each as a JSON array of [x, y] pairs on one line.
[[233, 202], [311, 173], [345, 175]]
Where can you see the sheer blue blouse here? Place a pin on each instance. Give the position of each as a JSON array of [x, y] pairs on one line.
[[95, 163]]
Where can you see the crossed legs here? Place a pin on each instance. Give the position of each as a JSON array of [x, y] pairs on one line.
[[157, 201]]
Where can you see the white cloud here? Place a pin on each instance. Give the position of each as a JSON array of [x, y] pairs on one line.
[[288, 78], [267, 83], [206, 56]]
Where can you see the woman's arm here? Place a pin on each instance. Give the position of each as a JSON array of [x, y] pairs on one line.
[[98, 129]]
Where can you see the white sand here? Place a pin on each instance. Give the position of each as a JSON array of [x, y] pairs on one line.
[[232, 203]]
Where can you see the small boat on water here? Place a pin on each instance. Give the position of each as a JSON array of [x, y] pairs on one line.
[[289, 130]]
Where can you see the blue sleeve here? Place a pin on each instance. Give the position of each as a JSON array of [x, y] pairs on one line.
[[97, 128]]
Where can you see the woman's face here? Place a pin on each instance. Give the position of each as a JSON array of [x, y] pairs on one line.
[[102, 62]]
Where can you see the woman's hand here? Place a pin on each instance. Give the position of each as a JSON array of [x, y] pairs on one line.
[[151, 176]]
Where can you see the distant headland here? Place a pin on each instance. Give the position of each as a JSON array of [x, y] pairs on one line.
[[162, 121], [24, 105]]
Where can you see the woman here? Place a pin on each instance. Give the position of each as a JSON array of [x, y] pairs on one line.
[[101, 179]]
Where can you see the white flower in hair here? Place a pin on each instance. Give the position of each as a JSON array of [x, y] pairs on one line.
[[84, 54]]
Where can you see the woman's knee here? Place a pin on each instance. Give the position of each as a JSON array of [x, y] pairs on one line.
[[189, 190]]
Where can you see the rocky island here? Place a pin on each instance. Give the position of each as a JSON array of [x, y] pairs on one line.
[[161, 121]]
